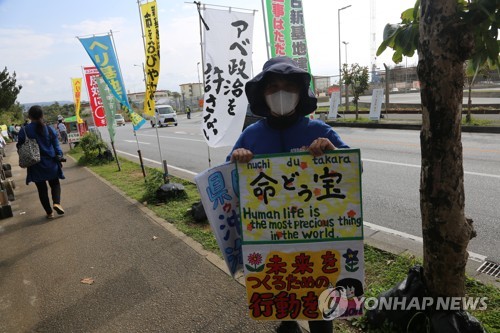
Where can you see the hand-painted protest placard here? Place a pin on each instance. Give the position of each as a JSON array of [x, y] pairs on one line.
[[302, 230], [218, 189], [304, 281], [299, 197]]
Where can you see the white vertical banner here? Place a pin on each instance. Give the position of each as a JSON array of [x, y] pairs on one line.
[[228, 65], [376, 105], [334, 105]]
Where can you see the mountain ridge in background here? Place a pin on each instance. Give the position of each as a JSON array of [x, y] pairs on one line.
[[28, 105]]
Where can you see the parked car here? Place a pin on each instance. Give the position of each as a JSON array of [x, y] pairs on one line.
[[119, 120], [164, 115]]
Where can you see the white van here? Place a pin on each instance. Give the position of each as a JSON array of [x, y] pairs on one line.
[[119, 120], [164, 115]]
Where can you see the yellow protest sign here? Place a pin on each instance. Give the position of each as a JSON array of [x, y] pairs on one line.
[[302, 231]]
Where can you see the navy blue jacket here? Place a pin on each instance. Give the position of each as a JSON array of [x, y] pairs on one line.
[[260, 138], [49, 167]]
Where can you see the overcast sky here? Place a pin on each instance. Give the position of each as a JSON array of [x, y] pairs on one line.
[[38, 39]]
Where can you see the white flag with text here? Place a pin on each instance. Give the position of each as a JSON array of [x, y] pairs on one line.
[[228, 65]]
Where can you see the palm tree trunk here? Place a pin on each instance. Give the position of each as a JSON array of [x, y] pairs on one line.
[[445, 230]]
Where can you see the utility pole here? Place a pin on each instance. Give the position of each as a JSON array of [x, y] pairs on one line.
[[340, 60]]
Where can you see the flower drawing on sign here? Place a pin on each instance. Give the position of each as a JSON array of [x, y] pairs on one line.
[[351, 260], [254, 259]]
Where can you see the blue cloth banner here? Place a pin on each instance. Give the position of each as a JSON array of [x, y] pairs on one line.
[[101, 51]]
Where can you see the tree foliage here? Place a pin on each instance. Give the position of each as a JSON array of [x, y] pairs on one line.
[[356, 78], [52, 111], [8, 89], [481, 17]]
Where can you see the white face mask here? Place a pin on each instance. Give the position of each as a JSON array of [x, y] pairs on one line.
[[282, 103]]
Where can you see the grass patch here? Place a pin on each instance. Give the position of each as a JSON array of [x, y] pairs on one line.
[[383, 270], [477, 122], [354, 120]]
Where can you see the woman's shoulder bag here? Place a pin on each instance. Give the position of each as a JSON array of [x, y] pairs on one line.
[[29, 152]]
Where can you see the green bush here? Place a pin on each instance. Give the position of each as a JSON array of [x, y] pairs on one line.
[[92, 147], [154, 179]]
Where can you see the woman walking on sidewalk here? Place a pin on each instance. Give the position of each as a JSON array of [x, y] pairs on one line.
[[49, 169]]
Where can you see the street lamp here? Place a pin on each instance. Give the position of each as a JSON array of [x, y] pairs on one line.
[[345, 45], [340, 61], [144, 75]]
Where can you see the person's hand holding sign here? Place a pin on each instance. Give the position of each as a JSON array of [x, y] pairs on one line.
[[241, 155], [319, 146]]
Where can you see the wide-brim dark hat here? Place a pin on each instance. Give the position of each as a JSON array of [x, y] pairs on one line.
[[285, 66]]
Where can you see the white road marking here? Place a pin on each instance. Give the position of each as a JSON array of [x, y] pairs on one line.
[[418, 166], [173, 137], [473, 256], [140, 142], [156, 162]]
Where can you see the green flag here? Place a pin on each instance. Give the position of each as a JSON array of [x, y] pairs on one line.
[[110, 106]]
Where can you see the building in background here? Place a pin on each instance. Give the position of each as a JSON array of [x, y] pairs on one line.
[[192, 95], [161, 97]]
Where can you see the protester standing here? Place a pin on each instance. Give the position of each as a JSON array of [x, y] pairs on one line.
[[12, 132], [282, 95], [49, 169], [62, 130]]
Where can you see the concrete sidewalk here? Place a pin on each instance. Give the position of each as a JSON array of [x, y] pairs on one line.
[[140, 284]]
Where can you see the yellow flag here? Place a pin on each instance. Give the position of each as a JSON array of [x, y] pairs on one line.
[[149, 16], [77, 92]]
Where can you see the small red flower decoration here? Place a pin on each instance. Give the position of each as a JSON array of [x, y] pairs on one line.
[[303, 165], [249, 227], [351, 213], [255, 258]]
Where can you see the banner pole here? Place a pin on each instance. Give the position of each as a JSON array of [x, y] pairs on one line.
[[165, 170], [116, 156], [198, 5], [135, 133], [209, 159], [265, 30]]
